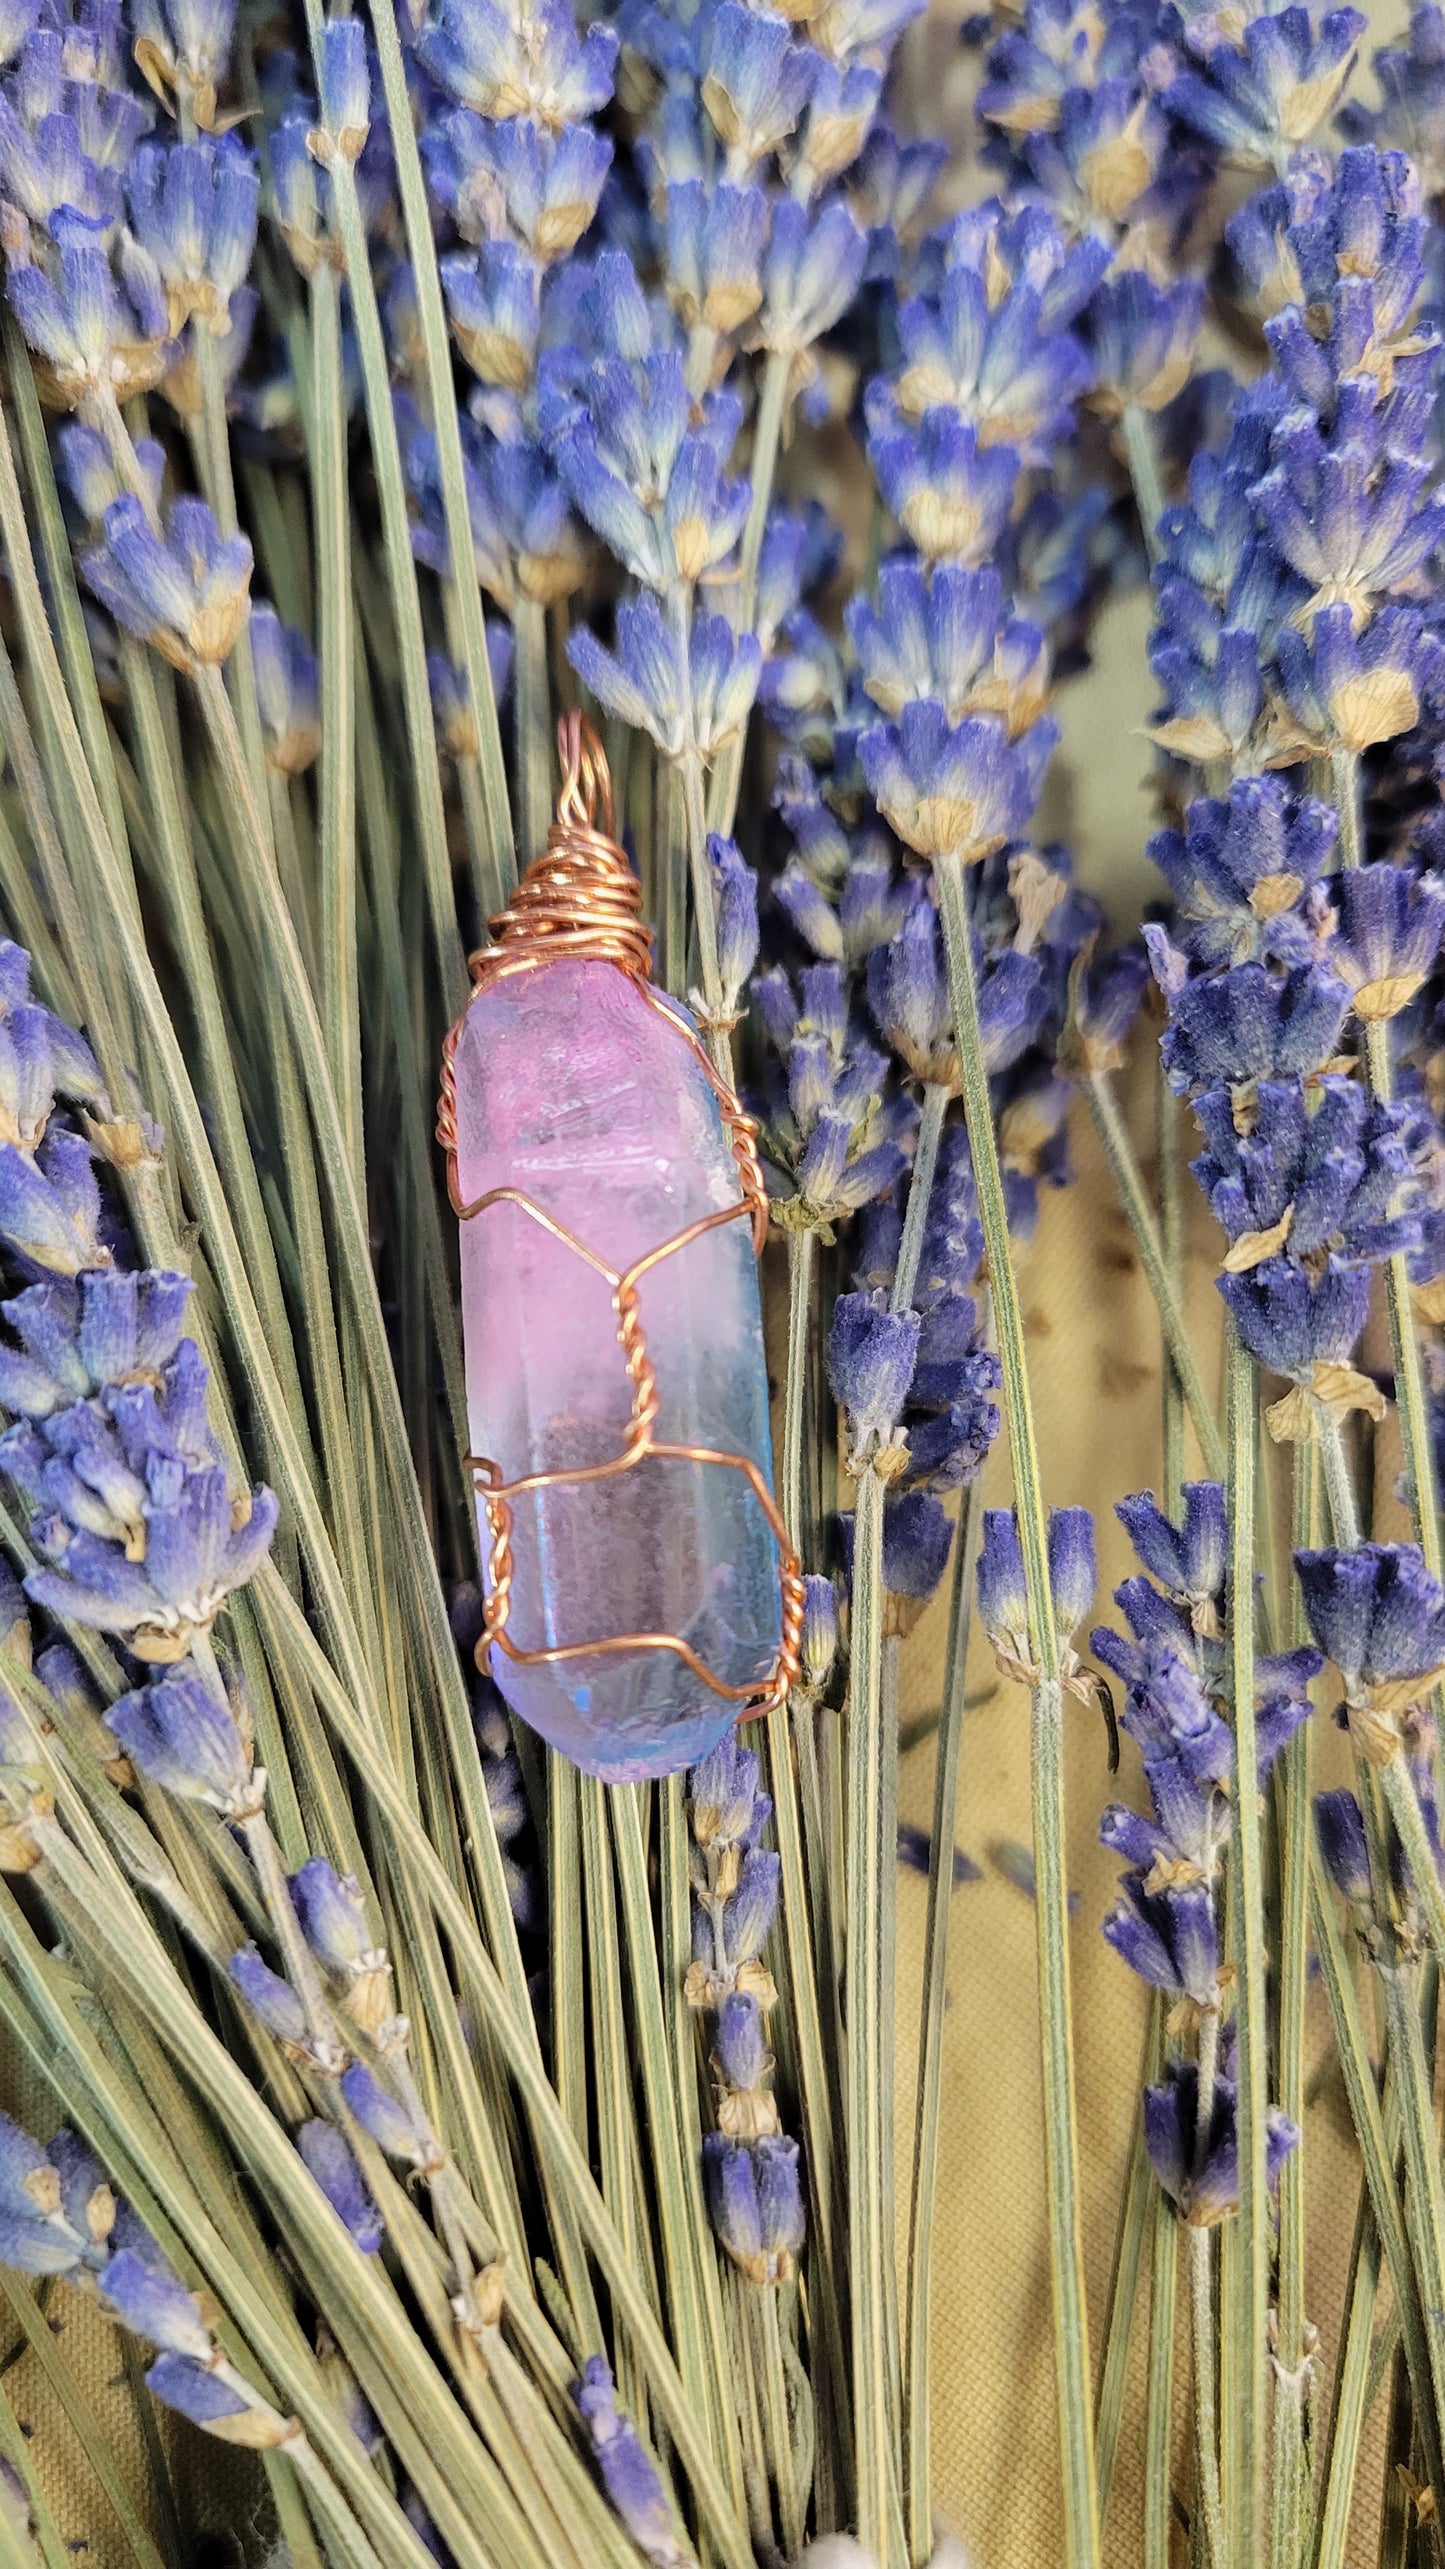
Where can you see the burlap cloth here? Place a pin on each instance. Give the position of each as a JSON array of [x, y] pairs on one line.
[[1095, 1371]]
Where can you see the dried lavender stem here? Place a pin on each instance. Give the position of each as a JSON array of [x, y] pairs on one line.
[[1171, 1238], [869, 2035], [1071, 2337], [1118, 1150], [1292, 1794], [1159, 2408], [918, 2381], [1206, 2426], [532, 715], [920, 1189], [1353, 2374], [704, 896], [1143, 459], [1410, 1393], [727, 774], [500, 852], [1248, 2370], [341, 1002], [802, 1258]]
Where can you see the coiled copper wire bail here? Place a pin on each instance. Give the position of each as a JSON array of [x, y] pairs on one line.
[[580, 896]]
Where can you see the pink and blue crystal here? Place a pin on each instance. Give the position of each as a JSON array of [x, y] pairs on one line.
[[576, 1088]]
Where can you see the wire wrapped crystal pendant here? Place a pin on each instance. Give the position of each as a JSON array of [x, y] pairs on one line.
[[640, 1592]]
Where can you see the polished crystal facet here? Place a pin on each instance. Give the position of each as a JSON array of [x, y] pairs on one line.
[[576, 1088]]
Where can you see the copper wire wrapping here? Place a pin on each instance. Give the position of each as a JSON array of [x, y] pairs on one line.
[[580, 898]]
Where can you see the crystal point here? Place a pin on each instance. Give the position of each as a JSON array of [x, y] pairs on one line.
[[576, 1088]]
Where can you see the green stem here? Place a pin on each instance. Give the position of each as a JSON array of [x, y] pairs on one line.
[[1159, 2397], [1410, 1392], [802, 1258], [1143, 457], [704, 896], [920, 1190], [341, 1001], [791, 2501], [1135, 2227], [1425, 2192], [1071, 2339], [1292, 1792], [1247, 2366], [727, 773], [532, 714], [917, 2444], [1171, 1237], [1350, 2405], [216, 441], [1118, 1150], [869, 2031], [1377, 2151], [402, 584], [1206, 2426], [500, 853]]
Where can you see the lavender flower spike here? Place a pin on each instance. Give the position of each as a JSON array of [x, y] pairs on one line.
[[629, 2475]]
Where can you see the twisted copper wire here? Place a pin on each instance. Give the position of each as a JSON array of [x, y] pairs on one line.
[[580, 898]]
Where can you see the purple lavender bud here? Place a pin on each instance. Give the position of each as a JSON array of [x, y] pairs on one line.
[[50, 1207], [1377, 1611], [270, 1998], [1392, 921], [332, 1912], [345, 86], [917, 1541], [189, 38], [1278, 86], [820, 1631], [740, 2044], [750, 1911], [1073, 1572], [1341, 1833], [379, 2114], [960, 790], [1169, 1939], [189, 2387], [1144, 339], [722, 1791], [92, 2210], [871, 1355], [287, 688], [629, 2475], [1411, 114], [1351, 690], [332, 2162], [730, 2185], [736, 887], [1190, 1560], [1245, 1025], [780, 2195], [152, 2302], [950, 493], [551, 73], [177, 1732], [185, 590], [812, 269], [757, 82], [1002, 1595]]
